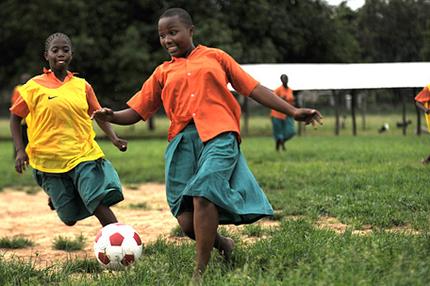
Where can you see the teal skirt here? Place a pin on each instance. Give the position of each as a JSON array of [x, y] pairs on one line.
[[283, 129], [217, 171], [77, 193]]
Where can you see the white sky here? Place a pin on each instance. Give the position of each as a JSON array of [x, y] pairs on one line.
[[353, 4], [342, 76]]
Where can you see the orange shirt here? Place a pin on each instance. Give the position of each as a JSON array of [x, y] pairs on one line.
[[195, 88], [49, 80], [286, 94], [15, 95], [424, 95]]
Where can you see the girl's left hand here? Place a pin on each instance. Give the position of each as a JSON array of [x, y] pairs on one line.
[[309, 116], [121, 144]]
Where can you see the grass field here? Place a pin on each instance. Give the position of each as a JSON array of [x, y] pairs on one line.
[[370, 182]]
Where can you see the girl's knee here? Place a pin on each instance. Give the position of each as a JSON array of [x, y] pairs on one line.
[[200, 202], [70, 223], [186, 223]]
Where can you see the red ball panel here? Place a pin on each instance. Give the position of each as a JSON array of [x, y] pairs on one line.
[[103, 258], [116, 239], [127, 259], [137, 239]]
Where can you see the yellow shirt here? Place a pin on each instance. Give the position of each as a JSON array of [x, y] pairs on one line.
[[60, 132]]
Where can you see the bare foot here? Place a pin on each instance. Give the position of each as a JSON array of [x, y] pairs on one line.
[[227, 248], [197, 279]]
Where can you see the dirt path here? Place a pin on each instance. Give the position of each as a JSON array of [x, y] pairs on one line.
[[28, 215]]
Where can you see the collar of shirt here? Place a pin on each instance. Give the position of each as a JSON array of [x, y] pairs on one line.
[[190, 54], [48, 79]]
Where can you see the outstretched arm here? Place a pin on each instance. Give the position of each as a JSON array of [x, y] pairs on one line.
[[266, 97], [121, 144], [21, 160], [123, 117]]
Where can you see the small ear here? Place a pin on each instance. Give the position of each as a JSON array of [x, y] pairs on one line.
[[192, 30], [46, 55]]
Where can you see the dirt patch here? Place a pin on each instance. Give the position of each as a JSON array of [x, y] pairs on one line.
[[145, 208], [29, 216]]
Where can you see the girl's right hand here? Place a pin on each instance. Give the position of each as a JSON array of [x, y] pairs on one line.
[[309, 116], [21, 161], [103, 114]]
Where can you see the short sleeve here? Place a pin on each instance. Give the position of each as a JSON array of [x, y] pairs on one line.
[[15, 95], [424, 95], [241, 81], [147, 101], [93, 103], [19, 107]]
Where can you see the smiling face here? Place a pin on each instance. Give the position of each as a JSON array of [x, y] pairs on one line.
[[175, 36], [59, 54]]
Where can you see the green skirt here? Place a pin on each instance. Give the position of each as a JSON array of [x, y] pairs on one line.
[[217, 171], [283, 129], [77, 193]]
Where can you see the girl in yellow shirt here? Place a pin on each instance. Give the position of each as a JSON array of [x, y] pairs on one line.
[[66, 160]]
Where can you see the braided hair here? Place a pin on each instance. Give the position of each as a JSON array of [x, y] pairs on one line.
[[56, 36]]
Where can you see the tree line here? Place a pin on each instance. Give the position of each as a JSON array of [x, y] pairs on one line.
[[116, 44]]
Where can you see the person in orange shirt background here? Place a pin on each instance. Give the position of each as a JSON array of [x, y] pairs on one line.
[[66, 160], [422, 100], [15, 94], [208, 181], [283, 125]]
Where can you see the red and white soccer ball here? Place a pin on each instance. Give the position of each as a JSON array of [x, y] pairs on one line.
[[117, 245]]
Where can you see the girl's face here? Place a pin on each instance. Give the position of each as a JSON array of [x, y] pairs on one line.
[[59, 54], [175, 36]]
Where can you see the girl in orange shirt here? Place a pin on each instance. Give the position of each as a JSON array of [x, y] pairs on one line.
[[66, 160], [283, 125], [208, 181], [422, 100]]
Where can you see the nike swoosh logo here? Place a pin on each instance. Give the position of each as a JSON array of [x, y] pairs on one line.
[[51, 97]]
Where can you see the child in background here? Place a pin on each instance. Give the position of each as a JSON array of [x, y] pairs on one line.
[[208, 181], [283, 125], [422, 100], [66, 160], [15, 94]]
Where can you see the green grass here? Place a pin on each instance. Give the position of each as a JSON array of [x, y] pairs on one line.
[[371, 180], [253, 230], [15, 242], [69, 244]]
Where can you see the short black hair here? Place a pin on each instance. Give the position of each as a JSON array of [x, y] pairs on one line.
[[56, 36], [183, 15]]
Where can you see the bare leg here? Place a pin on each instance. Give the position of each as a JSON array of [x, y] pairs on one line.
[[205, 229], [224, 244], [278, 145], [105, 215]]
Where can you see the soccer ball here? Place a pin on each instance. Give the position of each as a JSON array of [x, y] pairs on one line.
[[117, 245]]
